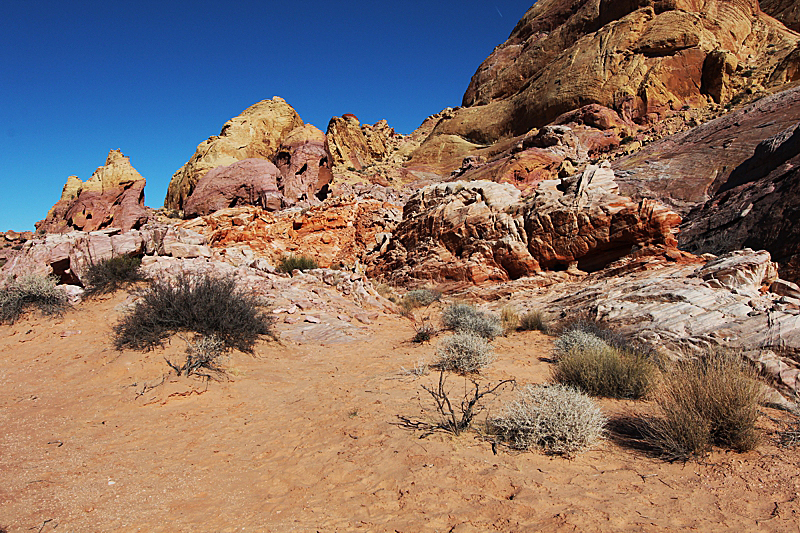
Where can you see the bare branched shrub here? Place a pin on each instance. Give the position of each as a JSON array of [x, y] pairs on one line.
[[465, 353], [709, 401], [40, 292], [458, 418], [290, 263], [423, 332], [201, 354], [534, 321], [204, 304], [598, 369], [467, 319], [553, 418], [113, 273]]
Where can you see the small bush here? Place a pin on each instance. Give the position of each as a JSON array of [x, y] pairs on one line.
[[577, 340], [553, 418], [111, 274], [204, 304], [609, 336], [465, 353], [534, 321], [466, 319], [600, 370], [710, 401], [201, 353], [510, 321], [291, 263], [423, 333], [41, 292], [420, 298]]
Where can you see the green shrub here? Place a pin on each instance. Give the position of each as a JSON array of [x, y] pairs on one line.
[[41, 292], [534, 321], [204, 304], [466, 319], [111, 274], [600, 370], [553, 418], [290, 263], [710, 401], [465, 353]]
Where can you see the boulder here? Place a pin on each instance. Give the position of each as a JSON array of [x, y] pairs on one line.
[[113, 197], [256, 133]]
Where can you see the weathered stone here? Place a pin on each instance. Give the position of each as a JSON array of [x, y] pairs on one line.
[[256, 133], [305, 167], [246, 182], [112, 198], [352, 144]]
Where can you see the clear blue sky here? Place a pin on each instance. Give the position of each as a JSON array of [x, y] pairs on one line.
[[155, 79]]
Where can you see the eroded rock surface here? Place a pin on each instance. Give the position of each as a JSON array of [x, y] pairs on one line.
[[257, 132], [113, 197], [483, 231]]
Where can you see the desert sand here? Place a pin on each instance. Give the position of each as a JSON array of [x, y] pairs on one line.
[[306, 437]]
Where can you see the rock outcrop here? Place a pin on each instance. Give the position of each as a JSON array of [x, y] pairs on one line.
[[758, 205], [482, 231], [258, 132], [644, 59], [112, 198], [355, 145], [305, 167], [688, 169], [246, 182], [787, 11]]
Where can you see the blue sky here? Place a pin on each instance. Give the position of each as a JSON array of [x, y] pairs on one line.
[[155, 79]]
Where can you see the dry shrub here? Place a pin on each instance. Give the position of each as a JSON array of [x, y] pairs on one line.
[[290, 263], [589, 364], [201, 354], [424, 332], [509, 320], [466, 319], [613, 338], [534, 321], [204, 304], [705, 402], [113, 273], [466, 353], [553, 418], [40, 292]]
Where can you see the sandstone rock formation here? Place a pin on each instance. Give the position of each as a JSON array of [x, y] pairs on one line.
[[681, 308], [644, 59], [758, 205], [246, 182], [256, 133], [787, 11], [687, 169], [352, 144], [112, 198], [483, 231], [305, 167]]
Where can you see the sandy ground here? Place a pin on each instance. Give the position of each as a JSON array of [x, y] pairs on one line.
[[306, 437]]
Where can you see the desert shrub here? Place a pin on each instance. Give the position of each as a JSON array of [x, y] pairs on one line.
[[466, 319], [420, 298], [509, 319], [554, 418], [40, 292], [465, 353], [290, 263], [202, 353], [534, 321], [423, 332], [601, 370], [709, 401], [576, 339], [204, 304], [609, 336], [113, 273]]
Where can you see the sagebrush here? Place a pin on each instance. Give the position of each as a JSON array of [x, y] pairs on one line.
[[465, 318], [109, 275], [202, 303], [32, 291], [556, 419], [466, 353], [709, 401]]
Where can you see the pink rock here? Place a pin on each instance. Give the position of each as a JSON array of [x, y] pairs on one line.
[[246, 182]]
